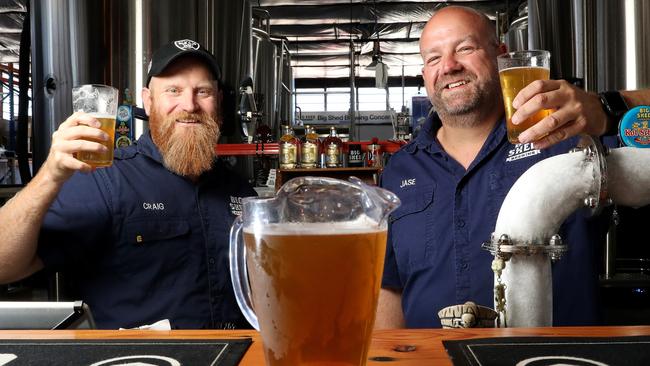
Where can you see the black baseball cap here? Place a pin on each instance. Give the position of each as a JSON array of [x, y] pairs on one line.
[[166, 54]]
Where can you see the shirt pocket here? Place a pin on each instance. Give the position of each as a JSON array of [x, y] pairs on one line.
[[502, 178], [155, 244], [411, 229]]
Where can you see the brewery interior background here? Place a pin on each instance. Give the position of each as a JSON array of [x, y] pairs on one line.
[[291, 61]]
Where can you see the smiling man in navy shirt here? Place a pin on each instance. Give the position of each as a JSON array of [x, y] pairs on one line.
[[147, 238], [454, 176]]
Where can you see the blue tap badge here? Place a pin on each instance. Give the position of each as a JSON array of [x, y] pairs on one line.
[[634, 129]]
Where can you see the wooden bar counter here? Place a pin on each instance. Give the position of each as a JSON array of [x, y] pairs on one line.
[[389, 347]]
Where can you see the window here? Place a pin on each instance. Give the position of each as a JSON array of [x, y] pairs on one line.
[[310, 99], [372, 99], [395, 97], [338, 99]]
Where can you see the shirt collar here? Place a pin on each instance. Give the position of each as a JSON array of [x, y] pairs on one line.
[[426, 139], [147, 147]]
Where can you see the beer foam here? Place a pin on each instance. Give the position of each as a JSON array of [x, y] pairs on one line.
[[524, 67], [363, 225]]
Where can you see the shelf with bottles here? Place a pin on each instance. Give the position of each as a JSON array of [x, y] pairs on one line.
[[271, 148]]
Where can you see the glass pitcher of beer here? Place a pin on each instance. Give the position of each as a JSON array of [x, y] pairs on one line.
[[308, 270]]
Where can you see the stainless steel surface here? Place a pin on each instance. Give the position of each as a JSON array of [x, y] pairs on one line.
[[265, 71], [554, 25], [516, 38], [622, 45]]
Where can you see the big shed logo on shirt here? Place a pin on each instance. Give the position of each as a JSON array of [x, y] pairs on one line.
[[522, 151], [235, 205]]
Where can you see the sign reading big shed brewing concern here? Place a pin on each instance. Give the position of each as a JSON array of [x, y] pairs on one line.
[[362, 117]]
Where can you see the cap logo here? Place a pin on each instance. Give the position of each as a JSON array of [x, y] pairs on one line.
[[186, 44]]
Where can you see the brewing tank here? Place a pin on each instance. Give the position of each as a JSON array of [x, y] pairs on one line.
[[601, 44]]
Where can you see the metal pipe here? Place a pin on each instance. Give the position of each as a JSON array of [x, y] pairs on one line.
[[531, 213], [353, 96]]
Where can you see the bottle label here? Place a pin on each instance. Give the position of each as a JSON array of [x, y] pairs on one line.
[[333, 153], [355, 157], [287, 156], [309, 154], [372, 156]]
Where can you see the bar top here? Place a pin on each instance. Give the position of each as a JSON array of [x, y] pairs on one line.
[[399, 347]]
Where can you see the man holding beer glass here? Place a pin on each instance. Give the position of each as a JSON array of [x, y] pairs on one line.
[[454, 176], [145, 239]]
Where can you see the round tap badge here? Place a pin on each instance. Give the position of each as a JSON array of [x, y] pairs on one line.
[[634, 129]]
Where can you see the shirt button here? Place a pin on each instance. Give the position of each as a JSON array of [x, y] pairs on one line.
[[211, 261], [464, 266], [460, 223]]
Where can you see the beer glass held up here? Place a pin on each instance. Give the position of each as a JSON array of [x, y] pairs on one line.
[[517, 70], [311, 259], [99, 101]]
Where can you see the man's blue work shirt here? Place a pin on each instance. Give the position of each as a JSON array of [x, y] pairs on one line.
[[140, 244], [434, 253]]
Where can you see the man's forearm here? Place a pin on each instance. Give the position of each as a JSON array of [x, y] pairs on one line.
[[389, 310], [20, 222], [635, 98]]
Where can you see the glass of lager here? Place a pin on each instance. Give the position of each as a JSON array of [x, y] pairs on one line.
[[308, 270], [99, 101], [517, 70]]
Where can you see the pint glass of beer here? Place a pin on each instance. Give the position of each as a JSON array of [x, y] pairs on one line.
[[311, 259], [100, 101], [517, 70]]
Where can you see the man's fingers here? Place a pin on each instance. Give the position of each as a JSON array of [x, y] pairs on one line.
[[569, 130], [80, 118], [547, 125], [81, 132], [532, 89], [72, 146]]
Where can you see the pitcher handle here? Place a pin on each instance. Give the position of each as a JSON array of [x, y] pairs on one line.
[[239, 273]]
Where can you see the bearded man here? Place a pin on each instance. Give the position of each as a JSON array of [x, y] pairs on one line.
[[145, 239]]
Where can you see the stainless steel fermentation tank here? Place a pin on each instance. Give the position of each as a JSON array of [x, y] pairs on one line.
[[271, 76], [111, 42]]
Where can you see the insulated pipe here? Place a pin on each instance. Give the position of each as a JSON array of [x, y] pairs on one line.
[[532, 213], [536, 206], [629, 176]]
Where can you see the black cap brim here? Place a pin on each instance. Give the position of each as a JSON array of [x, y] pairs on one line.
[[166, 55]]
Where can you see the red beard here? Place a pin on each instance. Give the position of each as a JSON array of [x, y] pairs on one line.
[[186, 151]]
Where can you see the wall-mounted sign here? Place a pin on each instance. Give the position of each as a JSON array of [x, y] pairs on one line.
[[334, 118]]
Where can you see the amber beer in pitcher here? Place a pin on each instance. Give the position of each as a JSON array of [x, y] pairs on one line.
[[315, 289], [516, 71], [306, 269]]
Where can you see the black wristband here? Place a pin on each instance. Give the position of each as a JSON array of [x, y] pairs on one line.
[[615, 107]]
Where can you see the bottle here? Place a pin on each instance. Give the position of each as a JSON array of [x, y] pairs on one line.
[[332, 147], [373, 156], [355, 155], [310, 149], [288, 148], [124, 121]]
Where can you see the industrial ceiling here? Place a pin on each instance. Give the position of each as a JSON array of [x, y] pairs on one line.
[[320, 32], [12, 15]]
